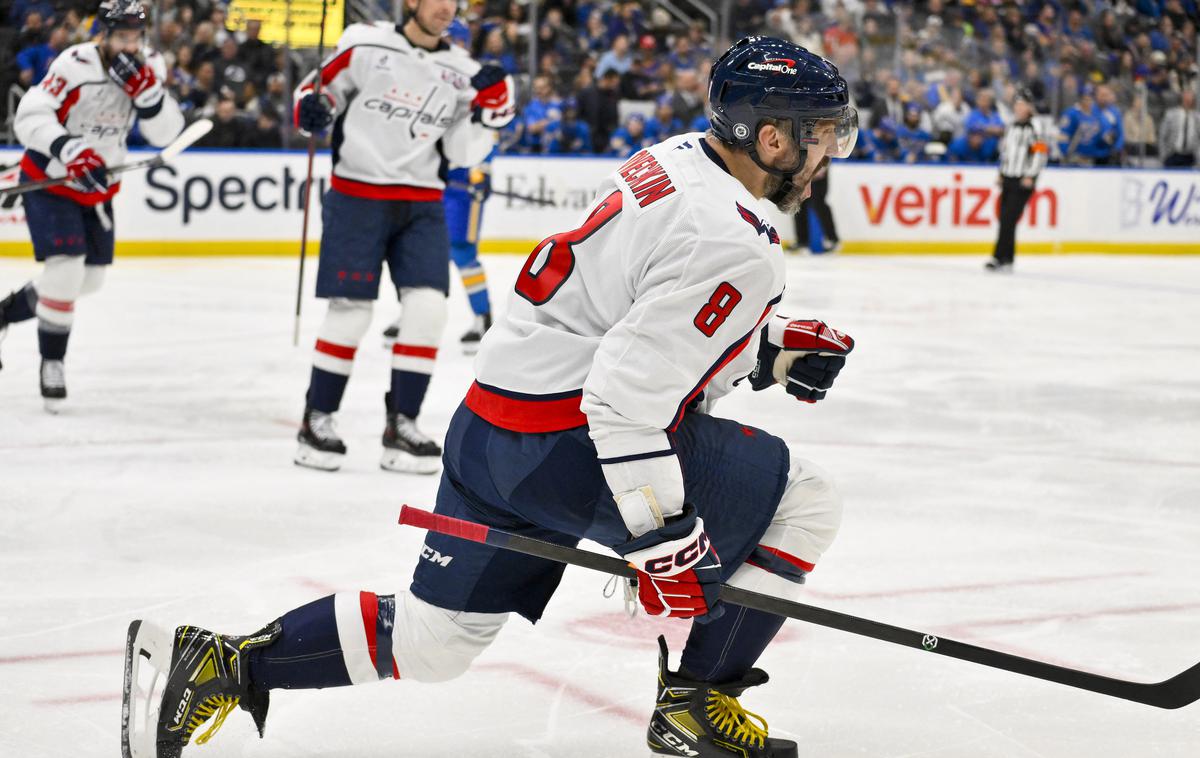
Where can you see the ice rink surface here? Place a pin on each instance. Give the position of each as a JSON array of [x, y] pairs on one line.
[[1020, 460]]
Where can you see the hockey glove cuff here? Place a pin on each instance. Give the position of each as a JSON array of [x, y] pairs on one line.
[[803, 356], [84, 165], [679, 571]]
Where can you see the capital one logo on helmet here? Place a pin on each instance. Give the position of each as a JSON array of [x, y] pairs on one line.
[[777, 65]]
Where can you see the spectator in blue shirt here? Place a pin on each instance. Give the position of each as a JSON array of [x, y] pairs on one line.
[[594, 38], [569, 135], [885, 146], [543, 108], [664, 123], [33, 62], [970, 148], [630, 137], [1080, 129], [1111, 139], [495, 51], [984, 116], [682, 55], [618, 59], [912, 137]]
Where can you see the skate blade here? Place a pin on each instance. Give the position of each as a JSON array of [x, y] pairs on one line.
[[54, 405], [318, 459], [147, 663], [407, 463], [470, 348]]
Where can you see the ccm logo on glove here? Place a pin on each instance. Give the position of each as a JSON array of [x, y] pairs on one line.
[[671, 564]]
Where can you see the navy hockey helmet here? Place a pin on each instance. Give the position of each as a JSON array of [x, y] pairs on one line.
[[763, 77], [121, 14]]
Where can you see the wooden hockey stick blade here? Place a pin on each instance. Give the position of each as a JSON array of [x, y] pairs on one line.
[[186, 139], [1176, 692]]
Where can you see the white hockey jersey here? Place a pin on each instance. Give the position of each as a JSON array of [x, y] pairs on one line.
[[653, 303], [399, 110], [77, 98]]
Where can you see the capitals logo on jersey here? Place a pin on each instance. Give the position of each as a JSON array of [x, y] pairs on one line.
[[762, 227]]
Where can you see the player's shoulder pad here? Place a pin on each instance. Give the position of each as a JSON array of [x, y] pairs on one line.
[[357, 34], [79, 63], [457, 58]]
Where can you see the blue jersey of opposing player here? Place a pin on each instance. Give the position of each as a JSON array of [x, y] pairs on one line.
[[466, 192]]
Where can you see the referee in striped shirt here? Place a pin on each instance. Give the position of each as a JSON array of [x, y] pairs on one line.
[[1023, 155]]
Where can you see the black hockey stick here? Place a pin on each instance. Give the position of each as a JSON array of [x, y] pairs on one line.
[[501, 193], [1175, 692], [186, 139], [312, 153]]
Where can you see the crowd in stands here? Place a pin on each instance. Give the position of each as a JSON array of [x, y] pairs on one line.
[[933, 81]]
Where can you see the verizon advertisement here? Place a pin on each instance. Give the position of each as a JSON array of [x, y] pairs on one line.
[[215, 202]]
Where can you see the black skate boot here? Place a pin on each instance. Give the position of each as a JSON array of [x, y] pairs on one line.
[[406, 448], [174, 683], [54, 385], [705, 720], [997, 266], [473, 336], [5, 304], [320, 446]]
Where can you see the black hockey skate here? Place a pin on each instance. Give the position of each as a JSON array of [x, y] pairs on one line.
[[705, 720], [174, 683], [320, 446], [473, 336], [54, 385], [406, 449], [998, 267]]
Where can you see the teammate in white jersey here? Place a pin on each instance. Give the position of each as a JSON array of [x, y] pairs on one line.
[[589, 419], [404, 103], [74, 124]]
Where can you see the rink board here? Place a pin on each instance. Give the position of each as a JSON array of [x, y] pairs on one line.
[[251, 203]]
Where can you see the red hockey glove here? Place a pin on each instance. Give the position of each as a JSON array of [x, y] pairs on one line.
[[494, 105], [804, 356], [679, 572], [138, 81], [84, 165]]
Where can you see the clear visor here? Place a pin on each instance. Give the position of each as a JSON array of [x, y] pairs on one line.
[[834, 137]]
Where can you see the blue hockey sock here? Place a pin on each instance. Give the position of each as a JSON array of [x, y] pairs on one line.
[[408, 392], [325, 390], [725, 649], [310, 652], [22, 307], [52, 343], [480, 302]]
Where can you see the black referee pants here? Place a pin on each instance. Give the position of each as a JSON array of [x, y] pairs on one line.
[[816, 201], [1013, 198]]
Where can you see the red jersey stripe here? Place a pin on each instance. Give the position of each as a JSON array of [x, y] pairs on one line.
[[521, 415], [385, 191]]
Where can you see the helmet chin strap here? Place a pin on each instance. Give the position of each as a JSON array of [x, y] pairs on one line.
[[787, 174]]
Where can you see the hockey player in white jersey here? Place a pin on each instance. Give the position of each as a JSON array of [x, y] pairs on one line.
[[74, 124], [589, 418], [403, 102]]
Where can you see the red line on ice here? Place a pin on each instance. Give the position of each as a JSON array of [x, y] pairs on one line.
[[41, 657], [79, 699]]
